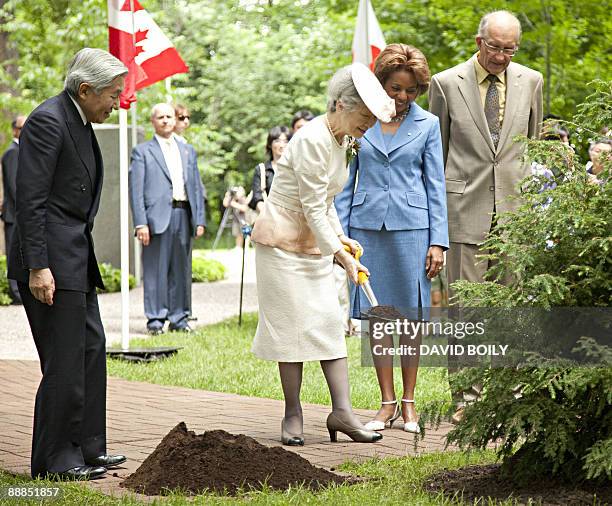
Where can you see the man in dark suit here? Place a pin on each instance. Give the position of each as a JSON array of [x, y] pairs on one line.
[[59, 180], [9, 186], [168, 211]]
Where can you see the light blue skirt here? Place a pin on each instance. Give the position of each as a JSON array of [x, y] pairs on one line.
[[396, 261]]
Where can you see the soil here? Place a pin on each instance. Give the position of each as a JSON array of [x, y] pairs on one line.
[[385, 312], [481, 482], [221, 462]]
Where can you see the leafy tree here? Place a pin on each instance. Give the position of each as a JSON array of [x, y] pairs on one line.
[[253, 63]]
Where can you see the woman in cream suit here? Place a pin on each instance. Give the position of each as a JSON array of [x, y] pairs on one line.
[[394, 204], [297, 237]]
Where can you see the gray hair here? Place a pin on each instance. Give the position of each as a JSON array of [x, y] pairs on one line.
[[603, 140], [341, 87], [483, 27], [96, 67], [160, 105]]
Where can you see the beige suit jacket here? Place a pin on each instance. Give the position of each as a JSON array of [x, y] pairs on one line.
[[480, 178]]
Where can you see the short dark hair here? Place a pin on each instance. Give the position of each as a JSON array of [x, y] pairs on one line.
[[273, 134], [303, 114]]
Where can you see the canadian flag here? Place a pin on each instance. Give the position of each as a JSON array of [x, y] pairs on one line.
[[368, 40], [139, 43]]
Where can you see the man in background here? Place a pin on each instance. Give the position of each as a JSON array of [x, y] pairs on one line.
[[9, 163], [168, 211]]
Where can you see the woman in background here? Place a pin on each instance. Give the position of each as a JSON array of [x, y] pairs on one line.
[[278, 137]]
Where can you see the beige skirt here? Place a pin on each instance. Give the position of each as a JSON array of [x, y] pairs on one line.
[[299, 314]]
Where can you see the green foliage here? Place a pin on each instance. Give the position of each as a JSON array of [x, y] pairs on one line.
[[556, 249], [252, 64], [206, 269], [5, 298], [111, 276]]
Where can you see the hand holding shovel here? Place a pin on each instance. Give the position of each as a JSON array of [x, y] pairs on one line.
[[362, 277]]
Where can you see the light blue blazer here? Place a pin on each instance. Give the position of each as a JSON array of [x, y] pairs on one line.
[[151, 186], [402, 186]]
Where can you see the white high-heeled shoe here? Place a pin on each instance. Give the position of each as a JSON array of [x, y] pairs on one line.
[[411, 426], [379, 424]]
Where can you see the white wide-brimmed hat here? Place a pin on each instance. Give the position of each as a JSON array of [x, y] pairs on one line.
[[372, 93]]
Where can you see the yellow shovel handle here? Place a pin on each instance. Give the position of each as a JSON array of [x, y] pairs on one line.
[[362, 277]]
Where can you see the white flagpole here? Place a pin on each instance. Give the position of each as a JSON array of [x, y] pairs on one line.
[[123, 213], [367, 34], [169, 90], [137, 246], [123, 217]]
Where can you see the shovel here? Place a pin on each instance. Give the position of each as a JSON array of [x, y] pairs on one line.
[[362, 279]]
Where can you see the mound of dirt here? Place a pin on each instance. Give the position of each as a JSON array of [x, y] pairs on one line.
[[221, 462], [478, 483], [384, 312]]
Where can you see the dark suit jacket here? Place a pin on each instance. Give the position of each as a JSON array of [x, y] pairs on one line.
[[59, 181], [9, 181]]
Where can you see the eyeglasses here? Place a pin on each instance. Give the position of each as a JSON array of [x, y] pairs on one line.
[[500, 50], [183, 117], [279, 141]]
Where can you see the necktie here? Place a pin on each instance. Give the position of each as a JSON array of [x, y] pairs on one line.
[[492, 109]]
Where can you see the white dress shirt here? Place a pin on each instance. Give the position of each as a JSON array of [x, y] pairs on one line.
[[172, 157], [81, 113]]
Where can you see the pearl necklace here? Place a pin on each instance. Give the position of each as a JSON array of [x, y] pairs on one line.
[[332, 132], [400, 117]]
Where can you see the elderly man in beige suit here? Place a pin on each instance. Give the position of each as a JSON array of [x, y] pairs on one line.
[[483, 104]]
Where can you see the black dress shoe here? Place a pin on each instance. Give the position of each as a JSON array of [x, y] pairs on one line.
[[155, 331], [107, 461], [79, 473]]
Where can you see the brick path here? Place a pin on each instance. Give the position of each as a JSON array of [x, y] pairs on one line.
[[140, 414]]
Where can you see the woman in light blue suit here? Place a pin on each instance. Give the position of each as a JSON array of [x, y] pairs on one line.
[[394, 205]]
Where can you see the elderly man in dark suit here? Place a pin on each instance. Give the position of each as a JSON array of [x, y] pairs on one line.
[[59, 181], [167, 201], [9, 186]]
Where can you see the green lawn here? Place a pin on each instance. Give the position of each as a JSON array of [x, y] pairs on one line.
[[218, 358], [391, 482]]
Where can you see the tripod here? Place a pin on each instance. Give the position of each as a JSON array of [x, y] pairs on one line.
[[222, 225]]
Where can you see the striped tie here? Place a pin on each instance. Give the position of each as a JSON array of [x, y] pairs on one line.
[[492, 109]]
